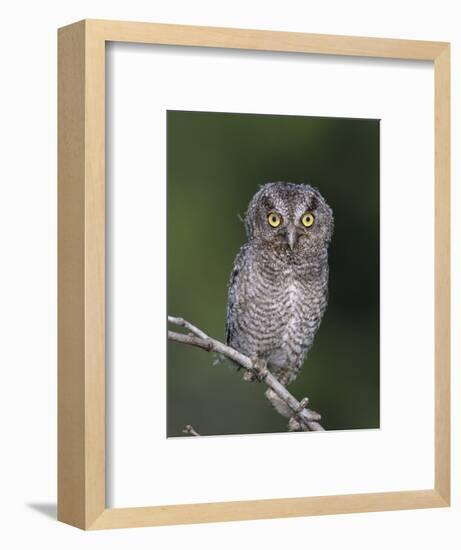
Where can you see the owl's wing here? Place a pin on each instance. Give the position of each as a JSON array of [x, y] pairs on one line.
[[233, 289]]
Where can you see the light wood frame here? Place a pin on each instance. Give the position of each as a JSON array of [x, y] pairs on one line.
[[81, 371]]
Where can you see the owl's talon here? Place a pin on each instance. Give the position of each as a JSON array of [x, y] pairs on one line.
[[259, 371]]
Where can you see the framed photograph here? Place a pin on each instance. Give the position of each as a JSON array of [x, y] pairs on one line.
[[254, 264]]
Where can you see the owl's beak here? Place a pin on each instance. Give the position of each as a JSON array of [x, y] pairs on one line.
[[291, 236]]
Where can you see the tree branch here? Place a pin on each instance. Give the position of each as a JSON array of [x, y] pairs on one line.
[[307, 418], [189, 430]]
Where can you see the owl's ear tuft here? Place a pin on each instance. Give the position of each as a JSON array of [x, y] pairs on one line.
[[314, 202], [316, 191], [332, 224]]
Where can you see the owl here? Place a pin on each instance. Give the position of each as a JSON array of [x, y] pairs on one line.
[[278, 287]]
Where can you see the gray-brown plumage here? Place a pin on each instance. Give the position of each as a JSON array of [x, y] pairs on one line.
[[278, 288]]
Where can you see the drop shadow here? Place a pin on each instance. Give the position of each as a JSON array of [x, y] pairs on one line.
[[48, 509]]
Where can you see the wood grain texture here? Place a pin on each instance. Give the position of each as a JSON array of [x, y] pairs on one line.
[[442, 274], [71, 310], [266, 509], [81, 273], [249, 39], [81, 392], [95, 276]]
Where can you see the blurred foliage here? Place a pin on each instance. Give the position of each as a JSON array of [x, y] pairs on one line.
[[216, 161]]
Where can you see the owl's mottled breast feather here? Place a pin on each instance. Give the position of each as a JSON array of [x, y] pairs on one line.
[[233, 286], [275, 306]]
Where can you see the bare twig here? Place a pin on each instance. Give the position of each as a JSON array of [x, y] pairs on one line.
[[189, 430], [307, 418], [183, 323]]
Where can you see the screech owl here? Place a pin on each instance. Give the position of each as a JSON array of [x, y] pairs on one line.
[[278, 287]]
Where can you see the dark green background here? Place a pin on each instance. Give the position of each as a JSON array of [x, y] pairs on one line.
[[216, 162]]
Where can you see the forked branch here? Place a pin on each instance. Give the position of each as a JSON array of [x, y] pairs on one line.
[[308, 419]]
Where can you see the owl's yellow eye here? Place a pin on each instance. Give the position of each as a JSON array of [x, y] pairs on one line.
[[274, 219], [308, 219]]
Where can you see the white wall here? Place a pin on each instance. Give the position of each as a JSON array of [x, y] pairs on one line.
[[28, 275]]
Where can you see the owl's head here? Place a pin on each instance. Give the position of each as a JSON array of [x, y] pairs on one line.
[[289, 215]]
